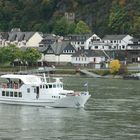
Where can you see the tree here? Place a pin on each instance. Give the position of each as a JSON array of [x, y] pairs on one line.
[[61, 27], [118, 19], [82, 28], [8, 54], [114, 66], [30, 56]]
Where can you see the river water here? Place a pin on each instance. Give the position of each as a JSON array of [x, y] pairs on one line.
[[112, 113]]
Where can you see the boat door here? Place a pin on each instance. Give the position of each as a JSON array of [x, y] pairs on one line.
[[37, 92]]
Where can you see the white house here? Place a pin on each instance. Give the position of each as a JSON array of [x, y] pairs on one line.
[[117, 42], [90, 58], [20, 39], [58, 53]]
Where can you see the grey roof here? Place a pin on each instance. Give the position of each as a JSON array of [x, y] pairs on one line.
[[113, 37], [12, 36], [89, 53], [58, 47], [76, 37], [135, 39], [4, 35]]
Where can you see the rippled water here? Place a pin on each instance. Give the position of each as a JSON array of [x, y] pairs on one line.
[[112, 113]]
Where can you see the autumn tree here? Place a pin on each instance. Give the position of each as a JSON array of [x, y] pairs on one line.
[[114, 66]]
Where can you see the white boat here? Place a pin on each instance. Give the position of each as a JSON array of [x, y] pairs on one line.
[[39, 91]]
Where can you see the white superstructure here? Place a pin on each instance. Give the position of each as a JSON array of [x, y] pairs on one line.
[[39, 91]]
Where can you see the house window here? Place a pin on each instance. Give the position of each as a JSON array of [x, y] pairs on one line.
[[50, 86], [28, 90], [96, 47], [94, 60], [54, 85]]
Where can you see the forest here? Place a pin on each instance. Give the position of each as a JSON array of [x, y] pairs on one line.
[[47, 16]]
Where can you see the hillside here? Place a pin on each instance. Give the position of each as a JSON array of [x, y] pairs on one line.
[[102, 16]]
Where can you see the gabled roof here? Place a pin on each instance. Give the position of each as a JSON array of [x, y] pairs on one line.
[[135, 39], [60, 46], [4, 35], [88, 53], [113, 37], [19, 36]]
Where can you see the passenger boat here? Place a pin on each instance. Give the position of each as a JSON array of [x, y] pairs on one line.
[[38, 90]]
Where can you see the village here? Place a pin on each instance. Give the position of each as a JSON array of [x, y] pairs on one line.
[[78, 50]]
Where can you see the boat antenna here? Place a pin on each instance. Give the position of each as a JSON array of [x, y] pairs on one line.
[[44, 78], [86, 85]]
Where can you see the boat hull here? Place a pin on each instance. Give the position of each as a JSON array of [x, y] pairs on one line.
[[66, 102]]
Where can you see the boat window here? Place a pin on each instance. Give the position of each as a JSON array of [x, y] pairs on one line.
[[58, 85], [20, 94], [43, 86], [61, 85], [28, 90], [15, 94], [50, 86], [54, 85], [3, 93], [7, 93], [35, 90], [46, 86], [11, 94], [40, 86]]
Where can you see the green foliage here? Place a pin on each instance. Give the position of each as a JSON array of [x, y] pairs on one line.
[[102, 16], [118, 19], [63, 27], [30, 56], [10, 53], [82, 28]]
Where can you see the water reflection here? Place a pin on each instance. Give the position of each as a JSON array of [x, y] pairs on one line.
[[112, 113]]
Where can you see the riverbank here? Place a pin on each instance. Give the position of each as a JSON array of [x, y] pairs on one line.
[[63, 71]]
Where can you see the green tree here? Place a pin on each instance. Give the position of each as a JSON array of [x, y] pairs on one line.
[[9, 53], [31, 55], [118, 19], [82, 28], [61, 27], [136, 25]]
